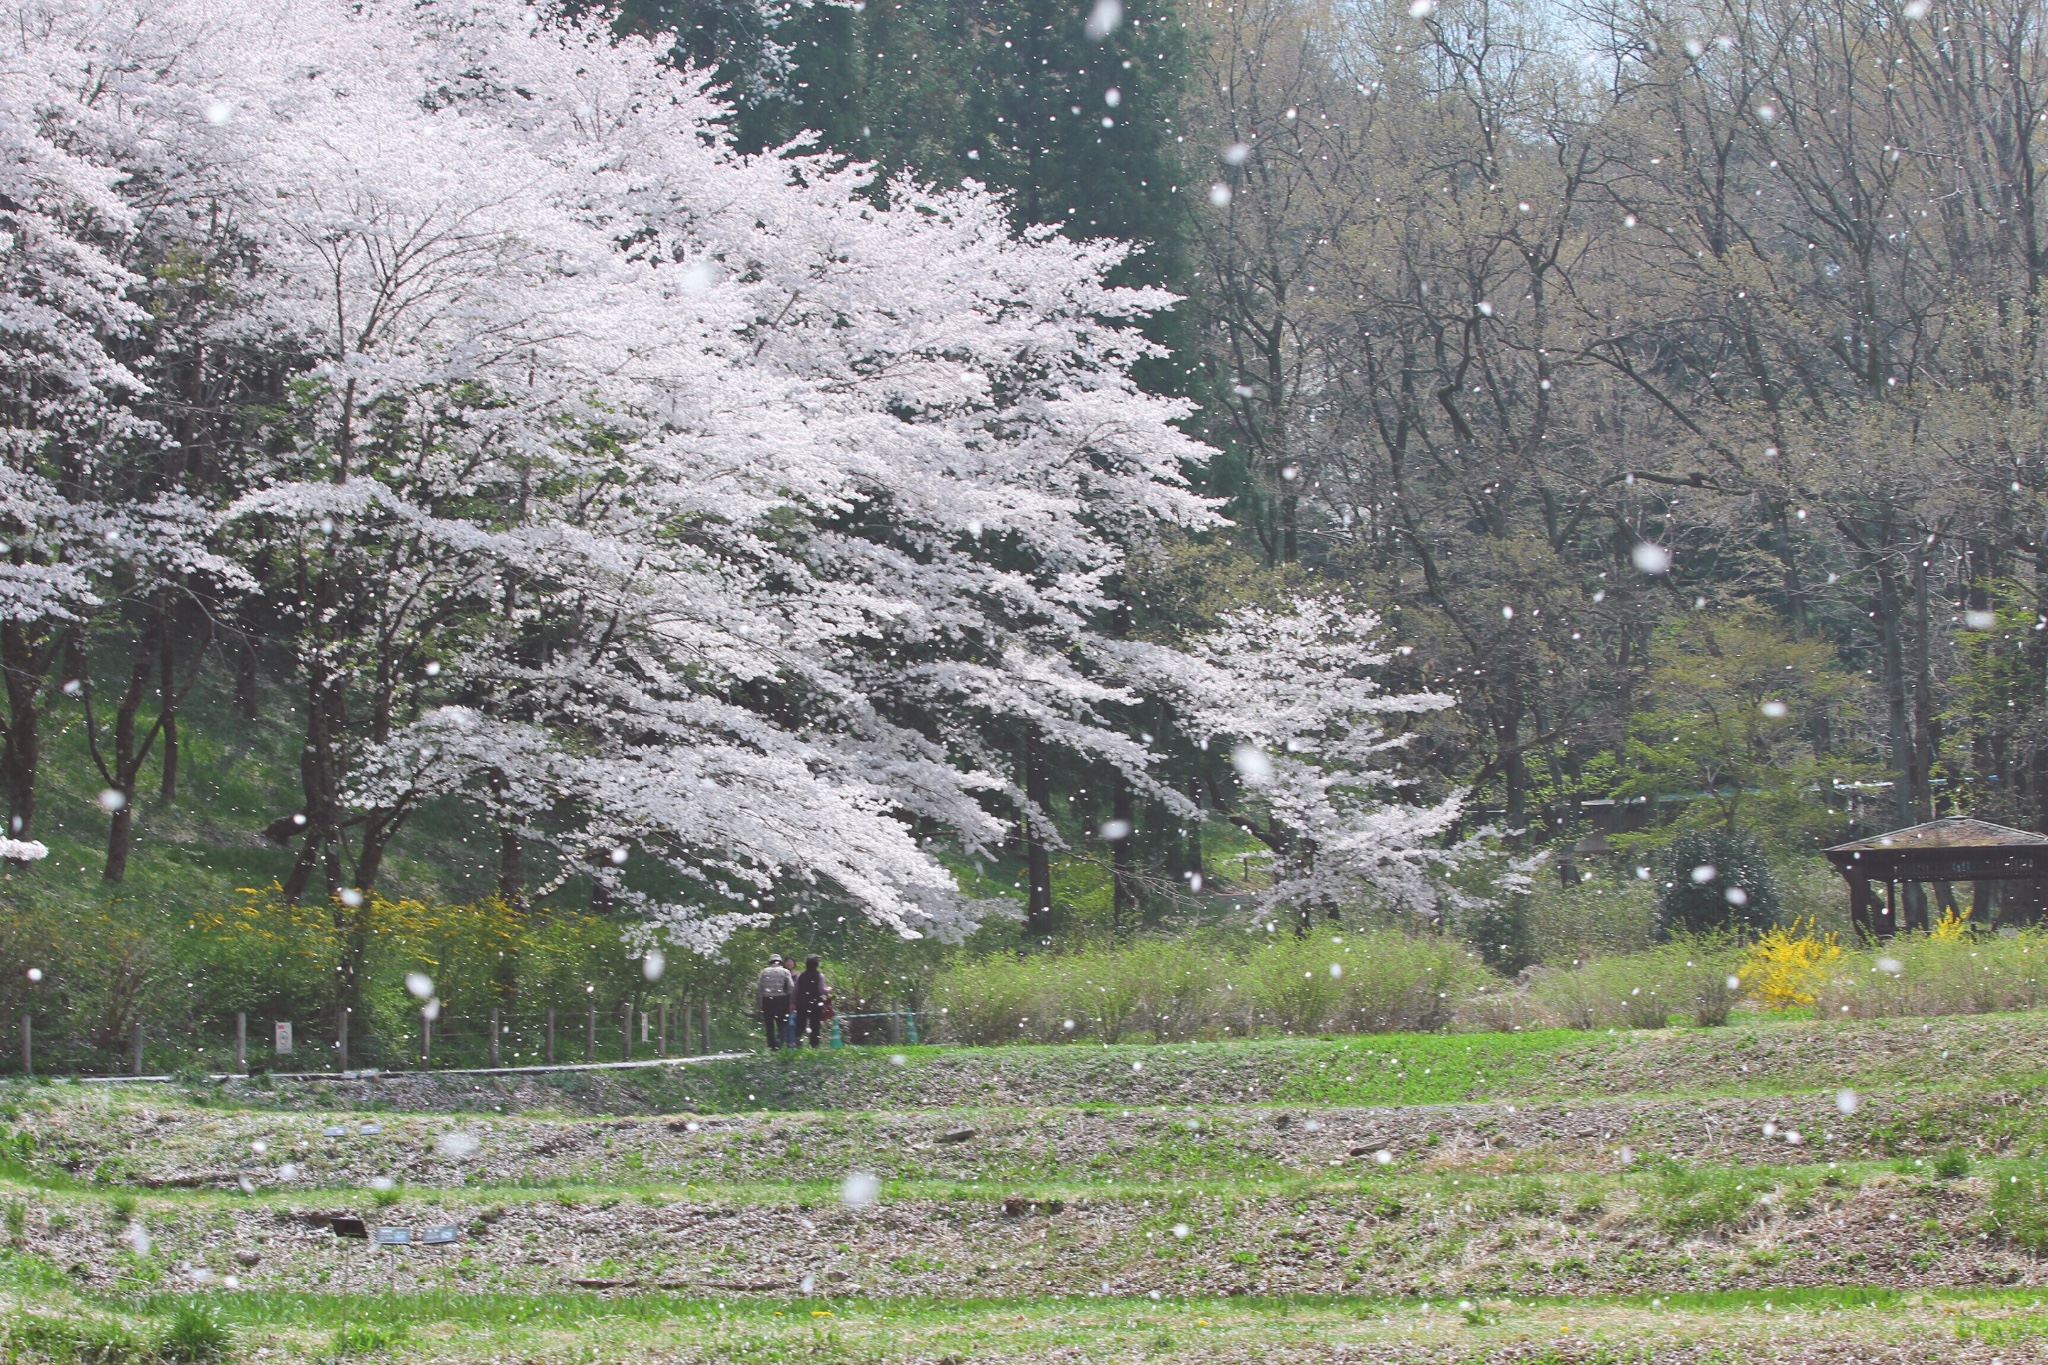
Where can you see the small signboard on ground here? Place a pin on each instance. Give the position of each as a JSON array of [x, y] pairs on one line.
[[370, 1129], [334, 1130], [284, 1040], [394, 1237], [440, 1234]]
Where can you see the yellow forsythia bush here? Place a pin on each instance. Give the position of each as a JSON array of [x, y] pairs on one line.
[[1789, 965]]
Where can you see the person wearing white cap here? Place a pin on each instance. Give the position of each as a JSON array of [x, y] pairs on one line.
[[773, 989]]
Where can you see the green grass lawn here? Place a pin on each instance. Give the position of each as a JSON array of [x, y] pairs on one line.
[[478, 1327]]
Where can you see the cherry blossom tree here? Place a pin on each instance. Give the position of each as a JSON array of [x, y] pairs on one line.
[[1315, 741], [652, 495], [729, 531]]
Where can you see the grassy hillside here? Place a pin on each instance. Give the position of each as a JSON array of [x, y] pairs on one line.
[[234, 777], [1638, 1197]]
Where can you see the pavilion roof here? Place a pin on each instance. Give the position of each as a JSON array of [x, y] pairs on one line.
[[1954, 831]]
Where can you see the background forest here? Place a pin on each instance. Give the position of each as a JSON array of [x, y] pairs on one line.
[[1583, 441]]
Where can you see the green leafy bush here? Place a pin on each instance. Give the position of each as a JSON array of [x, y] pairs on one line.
[[1595, 917], [1716, 879], [2018, 1208], [75, 1338], [1932, 974], [366, 1338], [195, 1336], [1704, 1198], [1687, 977], [1210, 986]]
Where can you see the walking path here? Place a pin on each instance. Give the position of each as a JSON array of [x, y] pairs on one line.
[[376, 1074]]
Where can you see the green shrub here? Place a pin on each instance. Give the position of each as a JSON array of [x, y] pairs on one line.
[[1692, 970], [1529, 1197], [2024, 1328], [1598, 917], [194, 1336], [1930, 974], [84, 1340], [996, 1000], [365, 1338], [1500, 1007], [1740, 869], [1210, 986], [1952, 1164], [1701, 1198], [1688, 977], [1575, 997], [1293, 987], [2018, 1208]]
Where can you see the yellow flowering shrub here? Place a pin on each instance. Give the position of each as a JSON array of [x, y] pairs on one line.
[[1789, 965], [267, 951], [1952, 927]]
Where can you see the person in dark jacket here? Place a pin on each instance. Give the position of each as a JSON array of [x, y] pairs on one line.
[[810, 1000]]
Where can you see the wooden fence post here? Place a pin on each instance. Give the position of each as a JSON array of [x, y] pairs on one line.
[[241, 1043], [590, 1035], [551, 1035], [494, 1035], [135, 1068]]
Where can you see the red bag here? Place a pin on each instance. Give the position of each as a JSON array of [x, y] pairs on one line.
[[825, 1005]]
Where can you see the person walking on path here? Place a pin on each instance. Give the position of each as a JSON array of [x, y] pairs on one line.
[[773, 989], [810, 1000]]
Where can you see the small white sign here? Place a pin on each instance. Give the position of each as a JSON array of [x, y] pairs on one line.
[[284, 1040]]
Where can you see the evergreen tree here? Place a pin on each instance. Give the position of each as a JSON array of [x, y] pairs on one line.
[[1016, 94], [1716, 879]]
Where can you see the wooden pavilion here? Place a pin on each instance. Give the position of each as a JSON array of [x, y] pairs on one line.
[[2007, 868]]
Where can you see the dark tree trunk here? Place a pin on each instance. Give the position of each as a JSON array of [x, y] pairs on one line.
[[1514, 769], [245, 680], [1037, 851], [511, 864], [1892, 658], [1125, 894], [168, 696], [380, 828], [21, 753], [1926, 732], [318, 782], [128, 754]]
